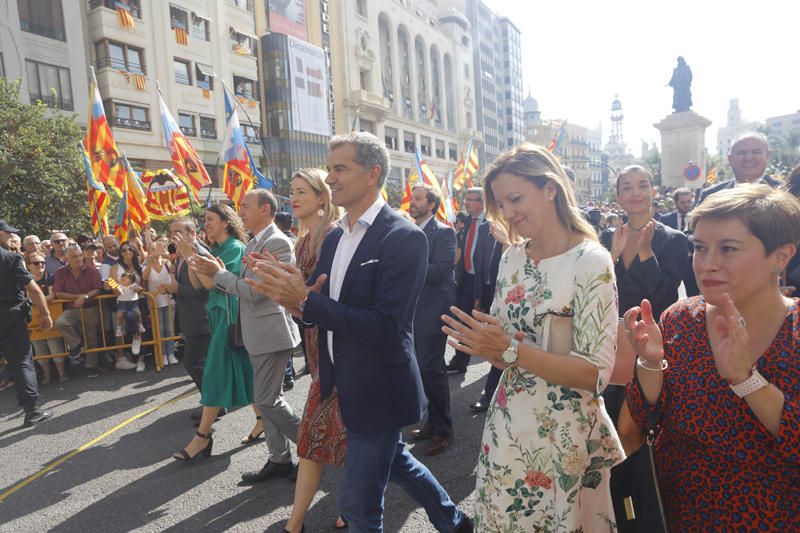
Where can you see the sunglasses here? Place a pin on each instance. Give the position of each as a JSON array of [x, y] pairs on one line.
[[126, 250], [59, 240], [37, 263]]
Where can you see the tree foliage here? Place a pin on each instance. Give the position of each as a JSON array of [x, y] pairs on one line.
[[42, 184]]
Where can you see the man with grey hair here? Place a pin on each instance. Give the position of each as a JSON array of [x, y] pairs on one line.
[[57, 256], [362, 296], [30, 244], [748, 156]]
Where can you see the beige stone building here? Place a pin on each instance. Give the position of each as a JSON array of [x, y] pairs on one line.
[[41, 44], [403, 70], [189, 47]]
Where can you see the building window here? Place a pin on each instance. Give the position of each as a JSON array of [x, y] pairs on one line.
[[367, 125], [183, 71], [244, 87], [120, 56], [425, 145], [128, 116], [452, 152], [50, 84], [244, 4], [42, 17], [440, 149], [361, 8], [200, 28], [203, 77], [409, 145], [178, 18], [208, 127], [134, 6], [390, 138], [186, 124], [242, 43], [252, 134]]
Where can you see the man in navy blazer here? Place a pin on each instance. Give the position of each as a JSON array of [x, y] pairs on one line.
[[438, 294], [363, 296], [679, 218]]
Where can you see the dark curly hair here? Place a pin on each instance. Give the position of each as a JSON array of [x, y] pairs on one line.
[[235, 226]]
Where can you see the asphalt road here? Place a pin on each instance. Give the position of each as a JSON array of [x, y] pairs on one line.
[[114, 479]]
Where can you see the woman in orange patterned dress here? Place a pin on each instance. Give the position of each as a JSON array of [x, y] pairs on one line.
[[322, 438]]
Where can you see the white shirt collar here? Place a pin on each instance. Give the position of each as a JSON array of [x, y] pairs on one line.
[[257, 236], [425, 222], [368, 217]]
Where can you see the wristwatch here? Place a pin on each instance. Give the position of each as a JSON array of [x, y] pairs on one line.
[[755, 382], [511, 353]]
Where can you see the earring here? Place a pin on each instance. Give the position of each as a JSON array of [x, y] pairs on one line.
[[320, 212]]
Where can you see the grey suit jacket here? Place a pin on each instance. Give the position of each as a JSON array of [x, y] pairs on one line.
[[266, 326]]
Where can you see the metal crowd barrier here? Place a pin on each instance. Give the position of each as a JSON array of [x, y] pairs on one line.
[[156, 342]]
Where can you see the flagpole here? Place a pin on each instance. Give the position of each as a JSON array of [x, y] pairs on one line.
[[238, 104]]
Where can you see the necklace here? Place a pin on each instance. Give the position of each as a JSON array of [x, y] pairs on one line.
[[640, 228]]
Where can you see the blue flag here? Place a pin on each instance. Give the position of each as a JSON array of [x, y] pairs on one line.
[[262, 182]]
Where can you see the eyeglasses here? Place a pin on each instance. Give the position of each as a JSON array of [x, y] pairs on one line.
[[37, 263]]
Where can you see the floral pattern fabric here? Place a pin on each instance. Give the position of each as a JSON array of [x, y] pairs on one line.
[[547, 449]]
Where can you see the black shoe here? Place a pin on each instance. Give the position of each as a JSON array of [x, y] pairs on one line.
[[481, 406], [466, 525], [36, 416], [422, 433], [455, 369], [76, 351], [270, 470], [288, 384]]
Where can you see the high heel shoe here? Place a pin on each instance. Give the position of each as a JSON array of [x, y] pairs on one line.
[[252, 438], [183, 455]]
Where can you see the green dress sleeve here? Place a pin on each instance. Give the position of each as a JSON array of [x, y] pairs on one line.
[[230, 252]]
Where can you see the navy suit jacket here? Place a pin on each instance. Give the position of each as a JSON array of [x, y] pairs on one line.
[[670, 219], [375, 370], [439, 291], [729, 184], [485, 274]]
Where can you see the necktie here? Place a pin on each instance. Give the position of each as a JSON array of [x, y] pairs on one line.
[[468, 246], [681, 223]]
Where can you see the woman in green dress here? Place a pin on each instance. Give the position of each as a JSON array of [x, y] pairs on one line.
[[228, 376]]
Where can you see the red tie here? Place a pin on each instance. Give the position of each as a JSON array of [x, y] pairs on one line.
[[468, 250]]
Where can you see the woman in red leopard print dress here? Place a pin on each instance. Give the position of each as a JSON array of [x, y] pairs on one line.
[[728, 449]]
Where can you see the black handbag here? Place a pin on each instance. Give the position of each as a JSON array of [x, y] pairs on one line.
[[235, 338], [635, 492]]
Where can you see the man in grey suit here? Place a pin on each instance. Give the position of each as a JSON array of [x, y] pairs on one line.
[[269, 333]]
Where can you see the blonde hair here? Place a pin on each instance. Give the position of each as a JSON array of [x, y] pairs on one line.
[[537, 165], [315, 178], [771, 215]]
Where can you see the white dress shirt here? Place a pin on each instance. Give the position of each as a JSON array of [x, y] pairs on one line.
[[424, 222], [345, 250]]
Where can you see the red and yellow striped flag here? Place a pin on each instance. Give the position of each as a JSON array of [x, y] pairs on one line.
[[711, 177], [98, 197], [187, 164], [466, 168], [167, 197], [140, 81], [181, 36], [107, 167], [405, 203], [125, 18]]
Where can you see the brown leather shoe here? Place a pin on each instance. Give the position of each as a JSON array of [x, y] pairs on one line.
[[423, 433], [437, 445]]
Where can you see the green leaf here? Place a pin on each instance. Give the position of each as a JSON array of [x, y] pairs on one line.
[[592, 479], [567, 482], [519, 483], [552, 396], [598, 463], [592, 445]]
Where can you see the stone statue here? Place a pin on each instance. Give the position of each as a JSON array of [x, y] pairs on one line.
[[681, 84]]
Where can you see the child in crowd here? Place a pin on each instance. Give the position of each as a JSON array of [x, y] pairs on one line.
[[128, 301]]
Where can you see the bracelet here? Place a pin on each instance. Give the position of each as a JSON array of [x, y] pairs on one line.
[[662, 366]]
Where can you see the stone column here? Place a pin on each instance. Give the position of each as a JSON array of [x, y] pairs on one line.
[[682, 142]]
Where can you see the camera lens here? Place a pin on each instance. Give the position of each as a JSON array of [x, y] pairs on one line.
[[171, 248]]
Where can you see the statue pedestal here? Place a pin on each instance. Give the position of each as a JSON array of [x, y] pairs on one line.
[[682, 142]]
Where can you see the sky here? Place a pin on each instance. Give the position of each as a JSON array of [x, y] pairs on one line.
[[577, 54]]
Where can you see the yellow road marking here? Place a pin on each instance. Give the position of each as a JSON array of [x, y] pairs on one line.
[[88, 445]]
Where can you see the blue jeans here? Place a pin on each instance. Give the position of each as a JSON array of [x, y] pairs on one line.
[[374, 459], [166, 330]]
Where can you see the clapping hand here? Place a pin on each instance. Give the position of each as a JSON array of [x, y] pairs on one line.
[[281, 282], [185, 248], [619, 240], [206, 266], [732, 353], [645, 248], [644, 335], [479, 334]]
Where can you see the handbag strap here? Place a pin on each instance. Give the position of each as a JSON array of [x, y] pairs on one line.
[[228, 309]]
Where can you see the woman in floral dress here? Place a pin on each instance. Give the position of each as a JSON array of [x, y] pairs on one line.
[[548, 444]]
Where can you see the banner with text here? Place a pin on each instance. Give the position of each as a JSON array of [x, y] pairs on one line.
[[309, 88]]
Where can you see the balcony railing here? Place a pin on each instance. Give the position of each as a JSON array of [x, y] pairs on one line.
[[130, 123], [44, 31], [189, 132], [208, 134], [244, 4], [135, 8], [110, 62], [53, 101]]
